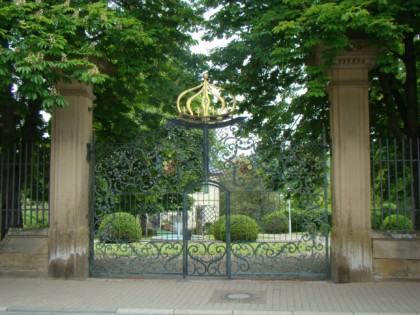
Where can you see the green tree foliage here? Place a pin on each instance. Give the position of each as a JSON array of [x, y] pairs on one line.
[[270, 59], [148, 79], [134, 53], [273, 61]]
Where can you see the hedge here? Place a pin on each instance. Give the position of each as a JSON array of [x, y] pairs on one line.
[[119, 227]]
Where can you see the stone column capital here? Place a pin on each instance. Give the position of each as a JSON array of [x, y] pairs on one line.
[[76, 88], [362, 55]]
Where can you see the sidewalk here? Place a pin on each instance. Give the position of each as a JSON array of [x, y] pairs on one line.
[[205, 297]]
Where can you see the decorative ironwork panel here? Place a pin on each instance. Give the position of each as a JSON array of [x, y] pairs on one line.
[[211, 200], [282, 186], [138, 187], [205, 255]]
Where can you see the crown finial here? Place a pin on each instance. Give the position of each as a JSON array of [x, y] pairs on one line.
[[206, 105]]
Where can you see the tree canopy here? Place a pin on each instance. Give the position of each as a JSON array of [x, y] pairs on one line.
[[268, 59], [134, 52]]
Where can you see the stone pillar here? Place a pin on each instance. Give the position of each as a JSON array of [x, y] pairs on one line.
[[70, 183], [351, 246]]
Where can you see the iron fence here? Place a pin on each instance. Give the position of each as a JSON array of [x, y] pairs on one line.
[[210, 202], [395, 184], [24, 186]]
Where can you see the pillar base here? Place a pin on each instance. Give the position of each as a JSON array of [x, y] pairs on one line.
[[70, 257], [351, 255]]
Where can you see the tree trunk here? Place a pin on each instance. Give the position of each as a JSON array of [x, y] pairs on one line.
[[410, 87], [412, 118]]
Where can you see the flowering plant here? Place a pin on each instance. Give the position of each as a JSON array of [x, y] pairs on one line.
[[169, 167], [245, 165]]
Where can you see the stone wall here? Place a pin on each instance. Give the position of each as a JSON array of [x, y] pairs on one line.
[[24, 253], [396, 255]]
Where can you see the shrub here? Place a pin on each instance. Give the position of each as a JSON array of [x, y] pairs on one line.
[[303, 220], [297, 219], [217, 228], [387, 208], [209, 228], [35, 220], [376, 218], [119, 226], [276, 222], [151, 231], [242, 228], [397, 222]]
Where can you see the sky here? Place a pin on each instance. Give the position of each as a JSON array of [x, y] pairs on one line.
[[205, 47]]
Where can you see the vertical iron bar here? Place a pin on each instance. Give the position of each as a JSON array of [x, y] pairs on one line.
[[13, 184], [324, 152], [228, 245], [31, 186], [25, 177], [184, 235], [416, 209], [381, 198], [92, 207], [206, 153], [20, 220], [7, 191], [372, 153], [412, 192], [37, 175], [44, 185], [404, 180], [1, 191], [388, 160], [396, 178]]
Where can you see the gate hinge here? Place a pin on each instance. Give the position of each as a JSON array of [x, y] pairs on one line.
[[89, 152]]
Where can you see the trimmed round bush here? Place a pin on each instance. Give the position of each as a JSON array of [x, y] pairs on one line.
[[242, 228], [276, 223], [387, 207], [119, 227], [217, 228], [397, 222]]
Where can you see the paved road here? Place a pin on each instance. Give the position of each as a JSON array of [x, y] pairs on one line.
[[205, 297]]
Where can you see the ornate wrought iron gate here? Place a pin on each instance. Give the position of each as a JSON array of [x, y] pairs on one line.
[[203, 198], [176, 203]]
